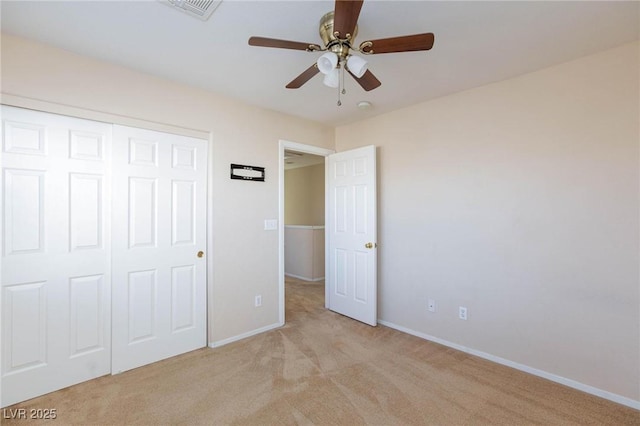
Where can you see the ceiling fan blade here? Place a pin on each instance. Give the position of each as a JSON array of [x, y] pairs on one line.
[[306, 75], [408, 43], [368, 81], [283, 44], [345, 16]]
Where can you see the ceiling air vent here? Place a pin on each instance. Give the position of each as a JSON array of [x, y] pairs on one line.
[[199, 8]]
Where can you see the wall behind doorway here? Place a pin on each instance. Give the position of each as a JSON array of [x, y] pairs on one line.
[[304, 222], [304, 196]]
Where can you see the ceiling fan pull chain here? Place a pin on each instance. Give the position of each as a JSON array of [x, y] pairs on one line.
[[340, 83]]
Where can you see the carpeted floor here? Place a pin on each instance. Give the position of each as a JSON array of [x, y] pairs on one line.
[[322, 368]]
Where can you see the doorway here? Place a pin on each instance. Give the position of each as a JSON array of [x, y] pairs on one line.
[[303, 216], [351, 234], [309, 234]]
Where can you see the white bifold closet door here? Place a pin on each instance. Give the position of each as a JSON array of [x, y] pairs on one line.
[[159, 228], [102, 226], [56, 316]]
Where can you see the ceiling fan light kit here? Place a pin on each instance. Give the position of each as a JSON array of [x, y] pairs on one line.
[[338, 30], [327, 62], [332, 78], [357, 65]]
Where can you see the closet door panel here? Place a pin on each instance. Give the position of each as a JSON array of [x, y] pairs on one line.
[[55, 267], [159, 226]]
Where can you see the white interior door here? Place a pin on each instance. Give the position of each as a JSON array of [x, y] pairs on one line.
[[351, 233], [55, 258], [159, 226]]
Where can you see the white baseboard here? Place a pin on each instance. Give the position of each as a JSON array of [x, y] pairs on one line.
[[304, 278], [536, 372], [223, 342]]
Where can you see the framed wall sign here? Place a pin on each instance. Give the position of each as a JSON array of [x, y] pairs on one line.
[[239, 171]]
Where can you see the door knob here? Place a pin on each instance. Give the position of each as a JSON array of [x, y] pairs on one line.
[[370, 245], [200, 253]]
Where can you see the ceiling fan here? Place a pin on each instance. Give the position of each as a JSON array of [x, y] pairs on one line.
[[338, 30]]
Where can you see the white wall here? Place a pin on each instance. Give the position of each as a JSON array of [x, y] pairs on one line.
[[519, 200], [244, 256]]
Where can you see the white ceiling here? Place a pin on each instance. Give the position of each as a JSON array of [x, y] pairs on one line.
[[476, 43]]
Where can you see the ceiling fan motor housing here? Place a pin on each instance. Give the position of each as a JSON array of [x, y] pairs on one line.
[[331, 42]]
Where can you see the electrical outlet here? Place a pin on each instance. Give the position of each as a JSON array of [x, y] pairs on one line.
[[462, 313], [431, 305], [258, 300]]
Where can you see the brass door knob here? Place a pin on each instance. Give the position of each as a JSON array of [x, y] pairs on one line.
[[200, 253], [370, 245]]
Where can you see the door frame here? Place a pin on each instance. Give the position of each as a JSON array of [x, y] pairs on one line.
[[307, 149]]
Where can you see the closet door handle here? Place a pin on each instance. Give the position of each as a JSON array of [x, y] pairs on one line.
[[200, 253]]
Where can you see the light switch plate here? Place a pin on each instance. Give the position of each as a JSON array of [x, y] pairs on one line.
[[270, 224]]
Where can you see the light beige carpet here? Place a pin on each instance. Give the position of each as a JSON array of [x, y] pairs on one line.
[[322, 368]]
